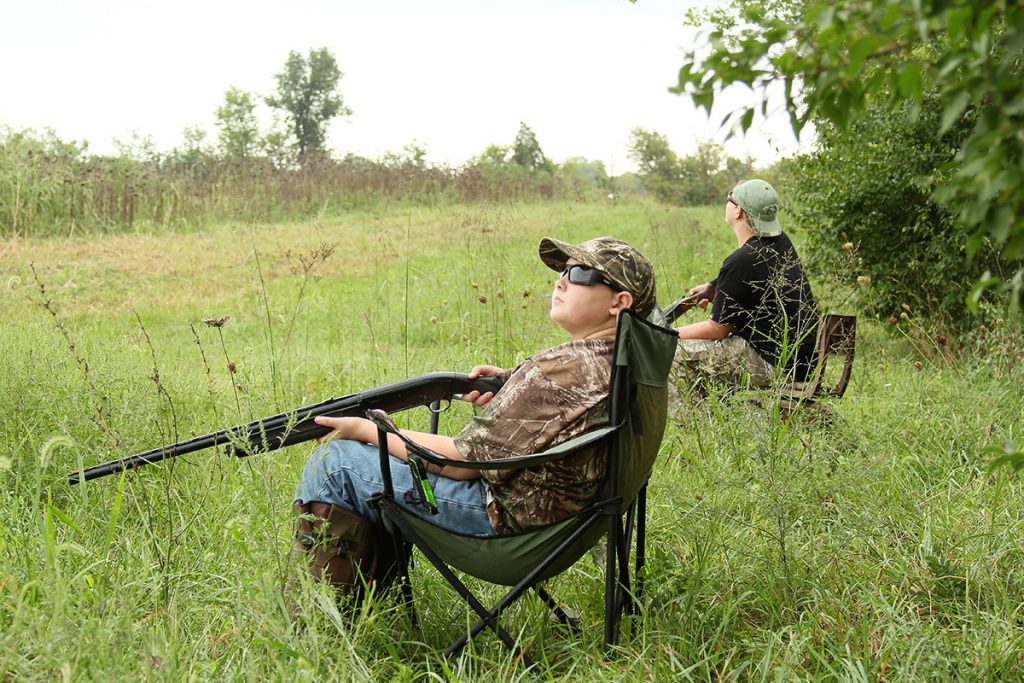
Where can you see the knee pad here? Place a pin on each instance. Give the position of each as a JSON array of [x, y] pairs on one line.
[[339, 544]]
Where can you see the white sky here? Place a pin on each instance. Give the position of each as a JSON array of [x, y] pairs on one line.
[[452, 75]]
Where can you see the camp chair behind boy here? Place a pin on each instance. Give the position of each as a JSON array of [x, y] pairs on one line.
[[637, 406]]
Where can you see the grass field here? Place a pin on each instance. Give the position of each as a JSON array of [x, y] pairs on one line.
[[875, 546]]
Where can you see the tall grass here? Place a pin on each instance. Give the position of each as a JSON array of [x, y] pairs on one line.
[[50, 187], [875, 546]]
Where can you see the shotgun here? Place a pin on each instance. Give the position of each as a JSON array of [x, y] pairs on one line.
[[297, 426], [678, 307]]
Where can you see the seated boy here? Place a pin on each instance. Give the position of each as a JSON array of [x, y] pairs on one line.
[[550, 397], [763, 314]]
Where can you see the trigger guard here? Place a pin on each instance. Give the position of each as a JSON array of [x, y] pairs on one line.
[[442, 406]]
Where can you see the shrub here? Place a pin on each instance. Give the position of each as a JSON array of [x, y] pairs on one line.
[[867, 192]]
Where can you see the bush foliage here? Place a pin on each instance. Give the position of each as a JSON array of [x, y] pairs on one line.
[[866, 193]]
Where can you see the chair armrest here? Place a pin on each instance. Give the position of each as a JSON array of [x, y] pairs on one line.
[[386, 425]]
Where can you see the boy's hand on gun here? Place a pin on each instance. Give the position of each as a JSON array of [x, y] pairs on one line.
[[701, 295], [475, 397], [343, 427]]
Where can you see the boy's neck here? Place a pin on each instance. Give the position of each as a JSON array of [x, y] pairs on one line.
[[742, 231], [601, 333]]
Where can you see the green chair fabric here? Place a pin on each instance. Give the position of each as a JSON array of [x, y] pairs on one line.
[[505, 560]]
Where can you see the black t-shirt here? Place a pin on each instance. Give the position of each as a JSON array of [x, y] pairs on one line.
[[763, 292]]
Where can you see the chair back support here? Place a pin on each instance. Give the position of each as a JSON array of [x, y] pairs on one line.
[[639, 401], [836, 337]]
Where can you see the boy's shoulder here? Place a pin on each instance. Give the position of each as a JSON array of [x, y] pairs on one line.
[[578, 362], [579, 347], [577, 350]]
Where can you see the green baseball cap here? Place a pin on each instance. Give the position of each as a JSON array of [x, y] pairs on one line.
[[760, 202], [618, 261]]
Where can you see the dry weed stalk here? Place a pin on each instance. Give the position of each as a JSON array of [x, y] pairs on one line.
[[97, 399]]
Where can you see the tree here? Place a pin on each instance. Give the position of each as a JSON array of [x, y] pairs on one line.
[[834, 59], [307, 91], [701, 179], [238, 132], [660, 169], [192, 149], [494, 155], [526, 151], [137, 147]]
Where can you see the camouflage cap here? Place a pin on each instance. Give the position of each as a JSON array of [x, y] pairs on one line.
[[621, 263], [760, 202]]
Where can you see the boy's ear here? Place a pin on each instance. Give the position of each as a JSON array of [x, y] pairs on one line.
[[622, 300]]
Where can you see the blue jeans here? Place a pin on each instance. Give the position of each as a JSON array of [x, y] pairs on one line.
[[347, 473]]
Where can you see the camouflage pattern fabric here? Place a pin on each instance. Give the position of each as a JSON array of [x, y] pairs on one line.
[[621, 263], [551, 397], [731, 360]]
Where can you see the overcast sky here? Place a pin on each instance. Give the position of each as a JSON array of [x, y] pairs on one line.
[[451, 75]]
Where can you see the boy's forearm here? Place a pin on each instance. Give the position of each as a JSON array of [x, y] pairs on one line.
[[366, 432], [705, 329]]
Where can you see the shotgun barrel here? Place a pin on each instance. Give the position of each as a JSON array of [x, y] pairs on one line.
[[678, 307], [297, 426]]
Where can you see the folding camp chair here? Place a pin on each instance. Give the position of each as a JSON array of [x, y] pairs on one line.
[[637, 407]]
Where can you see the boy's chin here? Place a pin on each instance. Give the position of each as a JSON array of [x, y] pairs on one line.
[[556, 315]]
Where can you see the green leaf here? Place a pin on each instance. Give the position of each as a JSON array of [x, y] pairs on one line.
[[954, 105], [911, 81], [956, 24], [949, 63], [859, 51], [747, 120], [824, 17], [981, 285], [1014, 249], [62, 516], [1008, 455]]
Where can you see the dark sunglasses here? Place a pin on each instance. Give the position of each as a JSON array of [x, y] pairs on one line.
[[579, 274], [730, 199]]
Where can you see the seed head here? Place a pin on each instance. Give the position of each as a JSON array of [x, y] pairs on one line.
[[217, 321], [482, 299]]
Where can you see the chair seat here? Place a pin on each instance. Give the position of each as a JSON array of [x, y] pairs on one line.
[[505, 560]]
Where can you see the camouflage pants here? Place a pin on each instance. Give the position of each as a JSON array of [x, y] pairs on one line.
[[729, 361]]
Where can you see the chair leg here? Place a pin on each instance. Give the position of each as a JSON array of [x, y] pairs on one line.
[[611, 616], [624, 597], [403, 551], [641, 540], [561, 615], [489, 618], [512, 595]]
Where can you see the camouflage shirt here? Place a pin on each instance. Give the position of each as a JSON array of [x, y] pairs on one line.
[[550, 397]]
